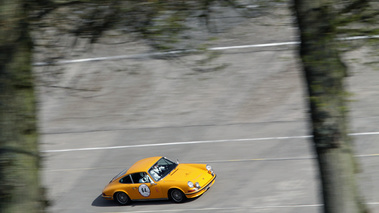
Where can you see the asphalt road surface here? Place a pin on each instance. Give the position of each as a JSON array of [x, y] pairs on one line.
[[248, 121]]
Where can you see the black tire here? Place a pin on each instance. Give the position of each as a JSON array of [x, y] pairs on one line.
[[122, 198], [176, 196]]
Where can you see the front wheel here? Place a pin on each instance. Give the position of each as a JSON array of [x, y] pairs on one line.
[[177, 196], [122, 198]]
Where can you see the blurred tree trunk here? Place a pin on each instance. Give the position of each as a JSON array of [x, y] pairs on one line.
[[324, 73], [19, 158]]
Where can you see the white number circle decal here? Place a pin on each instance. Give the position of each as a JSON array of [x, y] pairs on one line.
[[144, 190]]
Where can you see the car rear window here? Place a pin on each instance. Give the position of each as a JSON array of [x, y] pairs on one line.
[[119, 175], [126, 179]]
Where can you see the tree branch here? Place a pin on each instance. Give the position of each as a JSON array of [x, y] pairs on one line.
[[20, 151], [361, 17], [355, 5], [49, 6]]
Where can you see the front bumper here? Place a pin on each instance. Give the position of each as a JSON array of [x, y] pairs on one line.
[[201, 190]]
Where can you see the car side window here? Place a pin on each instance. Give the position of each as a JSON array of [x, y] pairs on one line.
[[140, 177], [126, 179]]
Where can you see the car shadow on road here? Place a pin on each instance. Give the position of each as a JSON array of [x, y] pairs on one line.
[[101, 202]]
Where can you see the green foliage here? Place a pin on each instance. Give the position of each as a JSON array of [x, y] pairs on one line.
[[358, 18], [164, 26]]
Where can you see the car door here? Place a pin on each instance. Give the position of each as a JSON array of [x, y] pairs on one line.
[[143, 187]]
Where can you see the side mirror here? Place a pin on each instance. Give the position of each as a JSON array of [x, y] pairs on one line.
[[152, 183]]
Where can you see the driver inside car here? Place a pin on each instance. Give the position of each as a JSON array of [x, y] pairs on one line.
[[144, 178], [156, 171]]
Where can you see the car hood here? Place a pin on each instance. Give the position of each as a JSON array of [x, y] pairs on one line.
[[188, 172]]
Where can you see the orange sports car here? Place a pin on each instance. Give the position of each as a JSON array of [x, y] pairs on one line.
[[159, 178]]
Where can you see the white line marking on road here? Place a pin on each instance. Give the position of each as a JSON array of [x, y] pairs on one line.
[[255, 159], [256, 45], [119, 57], [198, 142], [364, 133], [106, 58], [178, 143], [358, 38]]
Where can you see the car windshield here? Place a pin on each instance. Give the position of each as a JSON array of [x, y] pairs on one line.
[[161, 168]]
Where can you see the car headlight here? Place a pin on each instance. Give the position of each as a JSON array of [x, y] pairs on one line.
[[197, 185], [209, 168], [190, 184]]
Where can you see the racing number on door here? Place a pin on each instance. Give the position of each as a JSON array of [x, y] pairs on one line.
[[144, 190]]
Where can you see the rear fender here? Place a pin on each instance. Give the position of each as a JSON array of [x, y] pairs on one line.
[[120, 191]]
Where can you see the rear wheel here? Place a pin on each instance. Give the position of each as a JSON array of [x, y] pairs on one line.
[[176, 195], [122, 198]]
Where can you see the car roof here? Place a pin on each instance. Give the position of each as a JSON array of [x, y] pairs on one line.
[[143, 165]]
